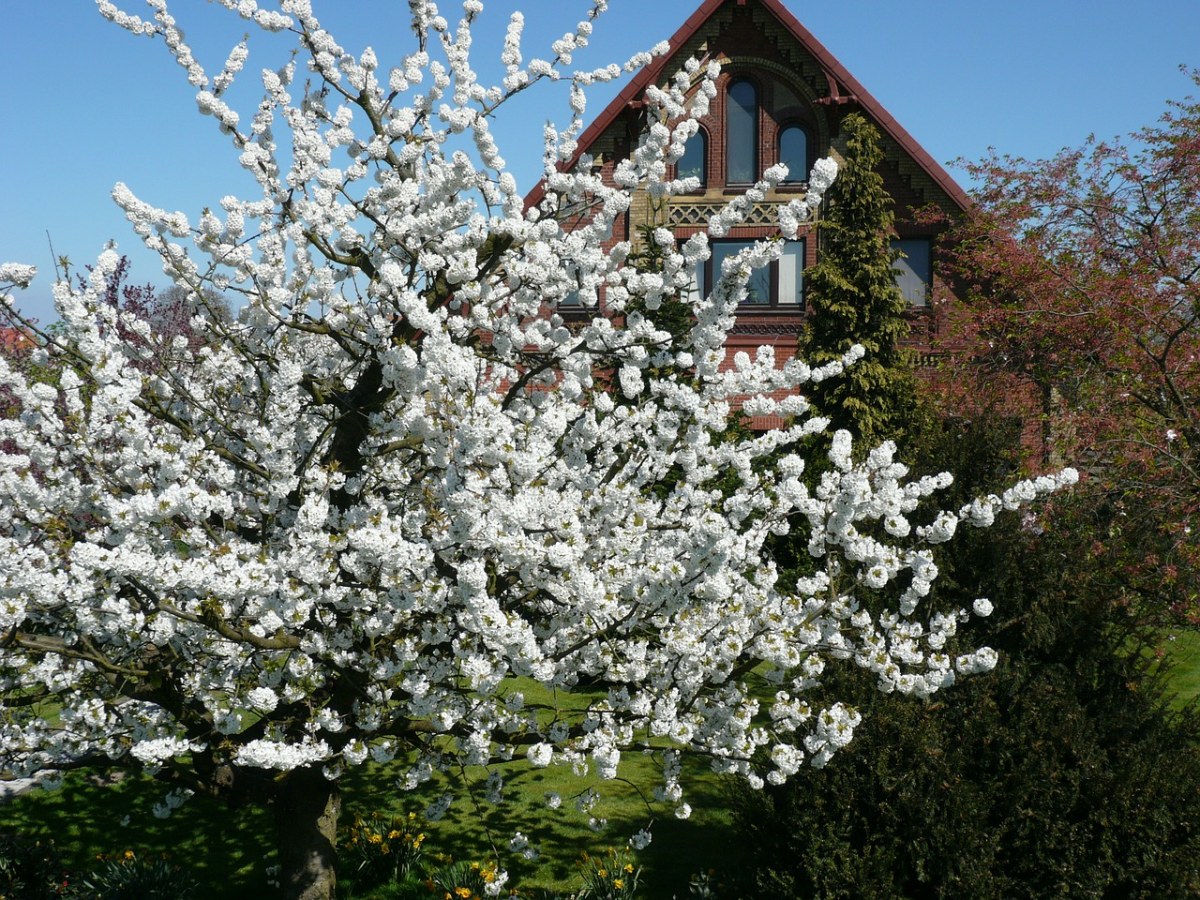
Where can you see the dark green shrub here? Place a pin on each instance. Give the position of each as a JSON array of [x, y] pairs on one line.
[[30, 870], [1063, 773], [131, 877]]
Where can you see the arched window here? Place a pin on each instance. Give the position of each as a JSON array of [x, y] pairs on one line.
[[793, 153], [741, 133], [694, 162]]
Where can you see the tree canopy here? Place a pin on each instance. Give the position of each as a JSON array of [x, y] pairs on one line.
[[1085, 271]]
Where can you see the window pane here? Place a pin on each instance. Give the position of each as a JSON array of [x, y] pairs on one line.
[[914, 273], [741, 133], [693, 162], [793, 152], [758, 290], [699, 284], [791, 274]]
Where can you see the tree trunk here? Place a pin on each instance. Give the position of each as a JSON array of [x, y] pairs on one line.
[[306, 816]]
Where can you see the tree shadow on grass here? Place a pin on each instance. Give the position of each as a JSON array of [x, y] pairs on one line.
[[226, 851], [684, 848], [471, 829]]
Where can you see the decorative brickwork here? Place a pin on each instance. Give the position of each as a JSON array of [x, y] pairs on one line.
[[683, 212]]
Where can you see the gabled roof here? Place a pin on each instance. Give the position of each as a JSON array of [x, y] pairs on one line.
[[843, 87]]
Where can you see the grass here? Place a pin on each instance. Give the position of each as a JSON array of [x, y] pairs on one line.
[[473, 827], [225, 851], [229, 851], [1181, 649]]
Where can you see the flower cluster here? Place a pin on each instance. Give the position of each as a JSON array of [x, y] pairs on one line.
[[379, 849], [468, 881], [612, 876]]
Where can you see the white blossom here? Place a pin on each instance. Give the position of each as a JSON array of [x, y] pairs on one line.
[[17, 274], [540, 755], [641, 839]]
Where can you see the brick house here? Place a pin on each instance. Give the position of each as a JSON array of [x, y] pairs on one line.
[[781, 96]]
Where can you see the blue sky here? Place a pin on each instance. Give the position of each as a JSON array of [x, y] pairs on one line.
[[85, 104]]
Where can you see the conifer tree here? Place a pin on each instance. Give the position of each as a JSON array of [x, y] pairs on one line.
[[853, 299]]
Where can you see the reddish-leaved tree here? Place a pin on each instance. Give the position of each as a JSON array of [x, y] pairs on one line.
[[1085, 276]]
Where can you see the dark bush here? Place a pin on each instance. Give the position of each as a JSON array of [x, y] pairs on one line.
[[1064, 773], [30, 870], [134, 878]]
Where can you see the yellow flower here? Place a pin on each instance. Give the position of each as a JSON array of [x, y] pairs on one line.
[[462, 891], [628, 868], [375, 838], [603, 873]]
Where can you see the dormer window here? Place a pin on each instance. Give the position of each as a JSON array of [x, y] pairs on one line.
[[741, 133]]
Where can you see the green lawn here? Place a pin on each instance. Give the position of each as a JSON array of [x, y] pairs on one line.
[[224, 850], [230, 850], [1182, 654]]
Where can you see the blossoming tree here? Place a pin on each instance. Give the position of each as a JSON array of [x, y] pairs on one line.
[[356, 520]]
